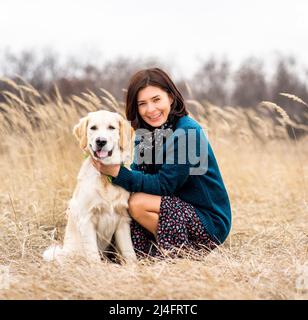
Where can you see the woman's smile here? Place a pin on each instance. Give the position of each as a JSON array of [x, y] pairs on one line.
[[155, 117], [154, 105]]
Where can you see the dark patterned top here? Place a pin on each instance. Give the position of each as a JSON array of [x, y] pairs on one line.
[[154, 140]]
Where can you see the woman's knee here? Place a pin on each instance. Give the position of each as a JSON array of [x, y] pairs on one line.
[[135, 205]]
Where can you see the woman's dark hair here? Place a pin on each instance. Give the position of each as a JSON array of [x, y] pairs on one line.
[[152, 77]]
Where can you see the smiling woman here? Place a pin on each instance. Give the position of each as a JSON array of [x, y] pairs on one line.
[[172, 206], [154, 105]]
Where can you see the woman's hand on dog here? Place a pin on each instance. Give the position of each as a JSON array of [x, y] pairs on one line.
[[109, 170]]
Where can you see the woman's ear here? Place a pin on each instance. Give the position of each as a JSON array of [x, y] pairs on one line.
[[80, 132], [171, 99]]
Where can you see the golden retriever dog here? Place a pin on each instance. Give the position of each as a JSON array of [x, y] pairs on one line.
[[98, 209]]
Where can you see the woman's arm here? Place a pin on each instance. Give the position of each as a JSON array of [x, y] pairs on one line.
[[173, 172], [169, 178], [165, 182]]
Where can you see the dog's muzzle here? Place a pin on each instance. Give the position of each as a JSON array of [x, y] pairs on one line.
[[99, 152]]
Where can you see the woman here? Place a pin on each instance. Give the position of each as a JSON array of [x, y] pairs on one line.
[[178, 203]]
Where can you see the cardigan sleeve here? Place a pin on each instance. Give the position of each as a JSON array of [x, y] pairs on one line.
[[172, 174], [165, 182]]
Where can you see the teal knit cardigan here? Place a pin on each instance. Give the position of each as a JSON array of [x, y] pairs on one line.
[[197, 183]]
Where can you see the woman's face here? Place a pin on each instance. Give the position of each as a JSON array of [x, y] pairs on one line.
[[154, 105]]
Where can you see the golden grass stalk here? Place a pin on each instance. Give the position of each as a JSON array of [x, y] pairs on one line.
[[91, 97], [278, 109], [294, 98], [9, 82], [189, 90], [14, 97], [30, 90], [111, 98], [58, 95]]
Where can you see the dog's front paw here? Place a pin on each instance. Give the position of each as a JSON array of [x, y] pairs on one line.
[[130, 257], [53, 253], [93, 258]]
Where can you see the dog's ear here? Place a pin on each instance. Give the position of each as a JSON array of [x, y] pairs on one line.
[[80, 132], [126, 135]]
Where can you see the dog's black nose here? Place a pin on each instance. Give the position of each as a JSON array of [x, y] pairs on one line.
[[100, 142]]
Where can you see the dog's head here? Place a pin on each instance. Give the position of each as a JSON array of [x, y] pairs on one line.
[[106, 135]]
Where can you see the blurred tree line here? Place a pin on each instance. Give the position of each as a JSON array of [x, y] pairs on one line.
[[216, 81]]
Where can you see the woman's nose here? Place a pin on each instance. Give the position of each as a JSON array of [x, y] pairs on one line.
[[150, 107]]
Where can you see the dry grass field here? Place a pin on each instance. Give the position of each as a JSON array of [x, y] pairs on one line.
[[264, 170]]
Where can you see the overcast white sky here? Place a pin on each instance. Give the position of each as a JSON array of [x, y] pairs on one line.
[[176, 31]]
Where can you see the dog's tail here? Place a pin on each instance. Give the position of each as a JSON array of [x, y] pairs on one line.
[[52, 253]]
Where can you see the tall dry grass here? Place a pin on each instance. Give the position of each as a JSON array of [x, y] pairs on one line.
[[265, 173]]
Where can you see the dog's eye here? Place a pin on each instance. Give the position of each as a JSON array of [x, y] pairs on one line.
[[93, 128], [111, 127]]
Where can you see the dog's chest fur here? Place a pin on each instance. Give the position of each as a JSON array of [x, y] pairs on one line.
[[108, 203]]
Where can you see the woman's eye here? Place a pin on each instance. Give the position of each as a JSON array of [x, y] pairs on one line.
[[140, 104], [111, 127], [156, 100], [93, 128]]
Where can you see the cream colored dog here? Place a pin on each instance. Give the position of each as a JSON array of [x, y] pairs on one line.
[[98, 209]]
